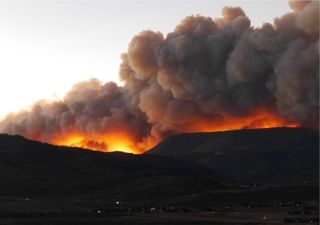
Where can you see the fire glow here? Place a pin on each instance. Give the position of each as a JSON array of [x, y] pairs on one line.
[[123, 142], [110, 142], [258, 119]]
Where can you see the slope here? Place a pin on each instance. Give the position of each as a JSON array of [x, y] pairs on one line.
[[274, 156]]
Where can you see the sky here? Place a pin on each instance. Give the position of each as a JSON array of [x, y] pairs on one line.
[[47, 46]]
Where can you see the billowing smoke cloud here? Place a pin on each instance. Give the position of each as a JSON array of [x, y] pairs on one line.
[[205, 72]]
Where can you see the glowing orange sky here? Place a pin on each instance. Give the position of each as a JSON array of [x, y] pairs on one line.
[[124, 142]]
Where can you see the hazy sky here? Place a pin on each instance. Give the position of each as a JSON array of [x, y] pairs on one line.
[[47, 46]]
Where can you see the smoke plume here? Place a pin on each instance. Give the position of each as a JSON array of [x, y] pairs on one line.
[[208, 74]]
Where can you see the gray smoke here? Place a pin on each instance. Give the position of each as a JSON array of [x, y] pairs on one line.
[[206, 69]]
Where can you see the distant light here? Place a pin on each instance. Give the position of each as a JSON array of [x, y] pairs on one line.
[[117, 203]]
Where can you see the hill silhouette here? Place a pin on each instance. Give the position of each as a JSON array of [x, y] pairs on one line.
[[30, 167], [182, 178], [272, 156]]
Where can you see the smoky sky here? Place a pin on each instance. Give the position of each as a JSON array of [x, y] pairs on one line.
[[207, 69]]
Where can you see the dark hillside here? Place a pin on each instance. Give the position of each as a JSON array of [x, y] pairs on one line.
[[274, 156], [30, 167]]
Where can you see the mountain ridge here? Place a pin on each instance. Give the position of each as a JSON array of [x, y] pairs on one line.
[[31, 167], [272, 156], [231, 134], [220, 160]]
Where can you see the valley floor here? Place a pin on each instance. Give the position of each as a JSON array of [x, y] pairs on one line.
[[191, 218], [98, 209]]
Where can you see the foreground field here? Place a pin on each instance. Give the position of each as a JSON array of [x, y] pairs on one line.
[[254, 206]]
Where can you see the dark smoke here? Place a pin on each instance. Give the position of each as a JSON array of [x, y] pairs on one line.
[[208, 69]]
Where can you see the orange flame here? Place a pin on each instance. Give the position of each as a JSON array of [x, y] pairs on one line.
[[110, 142], [124, 141], [258, 119]]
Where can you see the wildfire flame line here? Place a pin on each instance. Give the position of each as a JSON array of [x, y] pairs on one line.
[[124, 142]]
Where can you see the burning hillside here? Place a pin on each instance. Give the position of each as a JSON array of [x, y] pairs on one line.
[[206, 75]]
